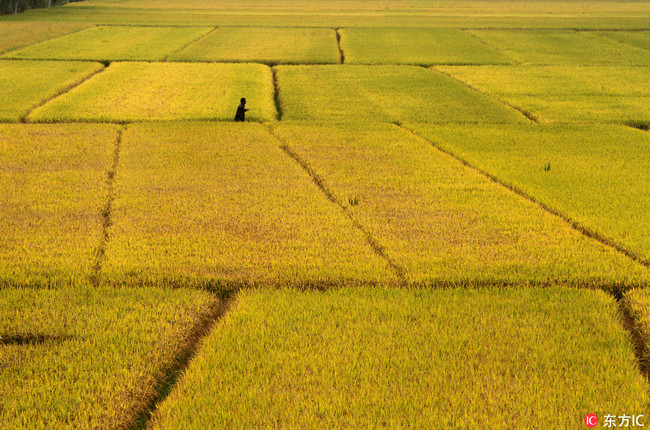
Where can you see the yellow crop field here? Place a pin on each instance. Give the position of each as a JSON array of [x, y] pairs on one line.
[[637, 302], [423, 46], [114, 43], [91, 357], [445, 223], [640, 39], [25, 84], [383, 93], [222, 205], [598, 175], [264, 45], [165, 91], [15, 35], [565, 94], [563, 47], [53, 188], [366, 358]]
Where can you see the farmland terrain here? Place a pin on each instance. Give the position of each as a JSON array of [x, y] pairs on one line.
[[435, 215]]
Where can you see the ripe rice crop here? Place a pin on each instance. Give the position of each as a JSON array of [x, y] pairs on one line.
[[383, 93], [15, 35], [91, 357], [25, 84], [637, 302], [640, 39], [423, 46], [264, 45], [599, 175], [166, 91], [220, 203], [53, 187], [114, 43], [445, 223], [566, 94], [562, 47], [378, 357]]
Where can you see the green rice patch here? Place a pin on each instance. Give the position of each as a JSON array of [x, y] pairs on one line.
[[25, 84], [264, 45], [640, 39], [166, 91], [114, 43], [14, 35], [365, 358], [421, 46], [219, 204], [562, 47], [91, 357], [598, 175], [445, 223], [383, 93], [53, 188]]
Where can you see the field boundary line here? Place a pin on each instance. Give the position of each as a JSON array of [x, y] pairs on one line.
[[636, 339], [3, 54], [144, 412], [276, 94], [377, 247], [107, 210], [522, 111], [338, 43], [24, 118], [189, 44], [585, 231], [515, 62]]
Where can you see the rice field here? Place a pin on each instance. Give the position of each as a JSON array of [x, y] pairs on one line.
[[53, 188], [638, 303], [91, 358], [582, 171], [26, 84], [264, 45], [419, 46], [114, 44], [14, 35], [383, 93], [640, 39], [165, 91], [377, 357]]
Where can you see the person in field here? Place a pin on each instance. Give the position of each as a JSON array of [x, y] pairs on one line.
[[241, 110]]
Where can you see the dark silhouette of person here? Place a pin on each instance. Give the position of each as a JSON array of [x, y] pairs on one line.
[[241, 110]]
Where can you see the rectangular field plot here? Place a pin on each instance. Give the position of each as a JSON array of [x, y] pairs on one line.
[[91, 357], [444, 223], [114, 44], [166, 91], [366, 358], [565, 94], [416, 46], [383, 93], [597, 175], [562, 47], [15, 35], [25, 84], [640, 39], [53, 188], [264, 45], [214, 204]]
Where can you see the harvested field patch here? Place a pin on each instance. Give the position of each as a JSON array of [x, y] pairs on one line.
[[422, 46], [562, 47], [25, 84], [445, 223], [213, 204], [565, 94], [15, 35], [383, 93], [598, 175], [114, 43], [53, 187], [457, 358], [103, 352], [166, 91], [264, 45]]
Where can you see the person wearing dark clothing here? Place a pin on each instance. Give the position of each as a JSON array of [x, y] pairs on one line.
[[241, 111]]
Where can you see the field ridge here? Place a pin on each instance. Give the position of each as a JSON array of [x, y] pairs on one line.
[[378, 248], [338, 42], [592, 234]]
